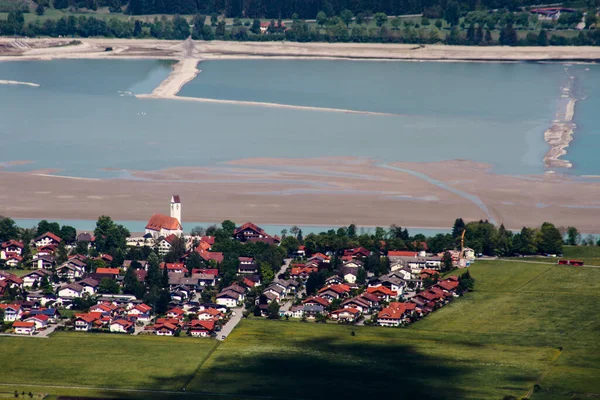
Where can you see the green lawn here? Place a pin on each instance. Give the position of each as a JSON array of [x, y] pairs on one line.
[[498, 340], [524, 324], [102, 360]]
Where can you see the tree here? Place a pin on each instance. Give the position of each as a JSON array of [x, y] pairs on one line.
[[551, 241], [380, 19], [488, 37], [508, 36], [108, 286], [396, 23], [458, 228], [137, 28], [452, 12], [255, 26], [61, 253], [68, 233], [447, 262], [465, 282], [573, 236], [1, 316], [321, 20], [8, 229], [346, 16], [273, 310], [40, 9], [181, 28], [438, 24], [266, 272]]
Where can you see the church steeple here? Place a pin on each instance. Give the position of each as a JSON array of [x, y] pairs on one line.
[[176, 208]]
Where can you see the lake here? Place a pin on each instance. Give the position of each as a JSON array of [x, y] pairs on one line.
[[83, 119]]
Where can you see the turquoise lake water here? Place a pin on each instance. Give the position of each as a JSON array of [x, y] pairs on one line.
[[83, 119]]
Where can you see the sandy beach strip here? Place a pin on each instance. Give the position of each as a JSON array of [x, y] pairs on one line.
[[263, 104], [165, 49], [183, 72]]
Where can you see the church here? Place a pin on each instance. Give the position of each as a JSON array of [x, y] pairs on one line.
[[164, 225]]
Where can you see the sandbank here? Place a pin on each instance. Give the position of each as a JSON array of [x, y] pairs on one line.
[[4, 82], [316, 191]]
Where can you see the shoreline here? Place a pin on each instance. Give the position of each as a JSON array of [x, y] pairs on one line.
[[47, 49]]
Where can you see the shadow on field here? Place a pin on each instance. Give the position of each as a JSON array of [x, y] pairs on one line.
[[324, 368]]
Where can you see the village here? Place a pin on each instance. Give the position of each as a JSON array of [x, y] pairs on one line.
[[181, 285]]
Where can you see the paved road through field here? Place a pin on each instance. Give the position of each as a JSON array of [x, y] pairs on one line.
[[232, 323]]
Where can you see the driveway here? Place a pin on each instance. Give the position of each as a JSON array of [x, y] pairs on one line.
[[284, 267], [232, 323], [41, 334]]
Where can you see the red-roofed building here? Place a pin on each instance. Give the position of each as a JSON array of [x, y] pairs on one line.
[[111, 273], [397, 253], [313, 301], [359, 252], [200, 328], [382, 293], [12, 312], [252, 232], [13, 260], [174, 267], [345, 314], [11, 247], [175, 313], [210, 314], [302, 272], [122, 326], [47, 239], [24, 328], [332, 292], [211, 255], [85, 322], [164, 225], [40, 320]]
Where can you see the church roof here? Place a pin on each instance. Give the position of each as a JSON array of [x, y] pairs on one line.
[[160, 221]]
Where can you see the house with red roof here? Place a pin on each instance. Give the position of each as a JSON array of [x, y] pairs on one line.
[[201, 328], [165, 329], [24, 328], [12, 312], [175, 313], [316, 301], [47, 239], [332, 292], [320, 258], [302, 271], [12, 280], [250, 232], [122, 326], [208, 256], [359, 252], [112, 273], [41, 321], [11, 247], [382, 293], [345, 314], [13, 260], [174, 267], [85, 322], [210, 314], [402, 253]]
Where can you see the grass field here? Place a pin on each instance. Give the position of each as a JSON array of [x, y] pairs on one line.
[[525, 324]]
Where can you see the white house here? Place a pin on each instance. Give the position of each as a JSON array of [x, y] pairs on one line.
[[24, 328], [40, 321], [47, 239], [345, 314], [11, 247], [84, 322], [90, 286], [12, 312], [35, 276], [209, 314], [121, 326], [71, 291], [163, 225], [228, 299]]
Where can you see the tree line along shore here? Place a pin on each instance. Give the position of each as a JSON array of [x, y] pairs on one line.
[[451, 23]]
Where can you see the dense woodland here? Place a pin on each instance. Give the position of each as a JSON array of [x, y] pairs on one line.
[[486, 22]]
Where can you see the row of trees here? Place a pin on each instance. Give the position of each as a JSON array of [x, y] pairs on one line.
[[331, 30]]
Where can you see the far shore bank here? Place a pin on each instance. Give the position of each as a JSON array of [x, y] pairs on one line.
[[45, 49]]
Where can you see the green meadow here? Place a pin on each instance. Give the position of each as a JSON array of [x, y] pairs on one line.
[[526, 330]]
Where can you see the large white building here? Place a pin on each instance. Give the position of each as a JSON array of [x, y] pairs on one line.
[[164, 225]]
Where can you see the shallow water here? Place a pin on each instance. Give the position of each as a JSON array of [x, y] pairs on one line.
[[83, 118]]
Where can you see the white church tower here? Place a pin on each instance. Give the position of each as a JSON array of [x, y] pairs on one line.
[[176, 208]]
